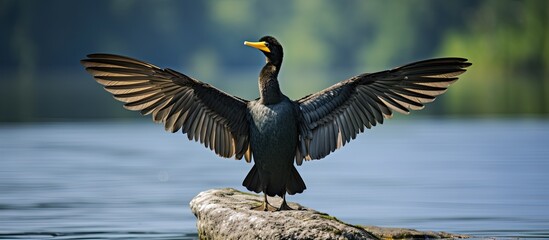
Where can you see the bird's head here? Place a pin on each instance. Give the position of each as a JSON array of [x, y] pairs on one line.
[[270, 47]]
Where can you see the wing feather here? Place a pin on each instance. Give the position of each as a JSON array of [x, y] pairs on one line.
[[206, 114], [338, 113]]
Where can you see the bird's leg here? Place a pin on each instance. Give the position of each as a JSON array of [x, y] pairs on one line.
[[265, 206], [284, 205]]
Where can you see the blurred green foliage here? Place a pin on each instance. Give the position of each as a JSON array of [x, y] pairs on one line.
[[324, 42], [509, 42]]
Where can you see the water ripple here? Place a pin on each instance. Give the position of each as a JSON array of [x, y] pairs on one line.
[[487, 178]]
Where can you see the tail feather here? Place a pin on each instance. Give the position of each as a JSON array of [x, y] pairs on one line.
[[252, 182], [295, 183]]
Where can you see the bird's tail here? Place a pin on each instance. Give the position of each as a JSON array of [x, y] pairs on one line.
[[252, 181], [295, 183]]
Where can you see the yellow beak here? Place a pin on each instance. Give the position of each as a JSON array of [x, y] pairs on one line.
[[259, 45]]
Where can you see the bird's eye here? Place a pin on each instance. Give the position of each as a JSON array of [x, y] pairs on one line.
[[266, 44]]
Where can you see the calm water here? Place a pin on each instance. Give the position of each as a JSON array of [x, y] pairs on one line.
[[488, 178]]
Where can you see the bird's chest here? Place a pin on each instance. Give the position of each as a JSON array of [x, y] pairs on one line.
[[273, 128]]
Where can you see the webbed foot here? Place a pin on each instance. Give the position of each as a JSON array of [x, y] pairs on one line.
[[265, 206], [284, 206]]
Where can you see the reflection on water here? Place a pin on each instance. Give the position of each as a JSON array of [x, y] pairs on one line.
[[133, 180]]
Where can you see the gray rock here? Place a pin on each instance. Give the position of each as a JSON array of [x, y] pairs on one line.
[[405, 233], [226, 214]]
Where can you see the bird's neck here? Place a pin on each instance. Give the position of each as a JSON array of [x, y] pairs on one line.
[[269, 90]]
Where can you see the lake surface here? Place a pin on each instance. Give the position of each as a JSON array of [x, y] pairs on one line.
[[132, 180]]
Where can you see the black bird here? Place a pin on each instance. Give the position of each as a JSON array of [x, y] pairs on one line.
[[273, 130]]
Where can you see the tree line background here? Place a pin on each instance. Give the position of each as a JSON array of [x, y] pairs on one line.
[[41, 43]]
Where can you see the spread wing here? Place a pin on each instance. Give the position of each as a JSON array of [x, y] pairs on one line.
[[332, 117], [204, 113]]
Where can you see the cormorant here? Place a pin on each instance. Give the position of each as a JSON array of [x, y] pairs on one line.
[[273, 130]]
